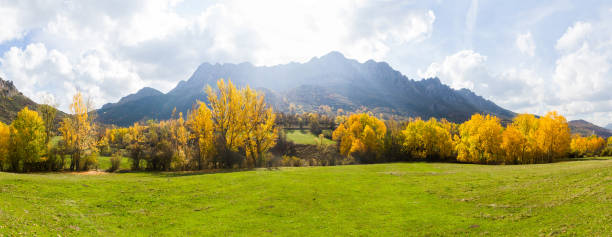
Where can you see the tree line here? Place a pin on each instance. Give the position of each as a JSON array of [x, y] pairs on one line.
[[237, 129], [482, 140]]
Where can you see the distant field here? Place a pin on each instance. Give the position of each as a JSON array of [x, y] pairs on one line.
[[566, 198], [305, 137]]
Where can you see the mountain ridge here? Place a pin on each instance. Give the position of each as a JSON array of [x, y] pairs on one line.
[[586, 129], [331, 80]]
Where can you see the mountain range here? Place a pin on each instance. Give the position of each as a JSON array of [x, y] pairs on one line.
[[331, 80]]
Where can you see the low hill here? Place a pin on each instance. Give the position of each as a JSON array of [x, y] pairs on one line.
[[331, 80], [585, 128]]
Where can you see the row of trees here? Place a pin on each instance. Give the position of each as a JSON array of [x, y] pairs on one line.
[[482, 139], [590, 146], [236, 130]]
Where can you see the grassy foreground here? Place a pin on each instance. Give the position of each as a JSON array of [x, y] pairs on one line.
[[385, 199]]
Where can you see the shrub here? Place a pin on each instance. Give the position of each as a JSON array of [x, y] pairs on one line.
[[291, 161], [115, 161], [90, 162]]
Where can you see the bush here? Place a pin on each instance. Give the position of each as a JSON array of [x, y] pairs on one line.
[[291, 161], [607, 151], [54, 161], [90, 162], [115, 161]]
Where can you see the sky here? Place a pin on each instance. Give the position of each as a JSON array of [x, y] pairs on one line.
[[526, 56]]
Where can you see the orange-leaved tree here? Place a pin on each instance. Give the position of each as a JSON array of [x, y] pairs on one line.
[[361, 136], [519, 142], [480, 140], [553, 137]]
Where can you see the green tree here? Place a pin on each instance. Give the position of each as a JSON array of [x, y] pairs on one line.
[[48, 112]]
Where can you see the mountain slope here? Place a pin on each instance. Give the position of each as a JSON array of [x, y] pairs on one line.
[[331, 80], [12, 101], [585, 128]]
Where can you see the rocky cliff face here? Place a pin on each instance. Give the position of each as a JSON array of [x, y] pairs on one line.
[[7, 89]]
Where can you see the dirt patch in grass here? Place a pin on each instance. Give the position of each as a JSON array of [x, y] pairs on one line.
[[90, 172]]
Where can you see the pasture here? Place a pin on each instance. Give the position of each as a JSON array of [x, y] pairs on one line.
[[415, 199], [306, 137]]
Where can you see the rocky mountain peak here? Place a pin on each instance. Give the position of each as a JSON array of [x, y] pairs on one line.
[[7, 89]]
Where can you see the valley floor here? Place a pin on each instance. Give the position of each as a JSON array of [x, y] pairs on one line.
[[565, 198]]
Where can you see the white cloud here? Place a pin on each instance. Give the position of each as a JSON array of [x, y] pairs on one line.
[[583, 71], [513, 88], [94, 46], [584, 74], [48, 74], [9, 27], [579, 85], [525, 44], [574, 36], [458, 70]]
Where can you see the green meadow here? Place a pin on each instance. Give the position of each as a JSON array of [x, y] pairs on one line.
[[306, 137], [398, 199]]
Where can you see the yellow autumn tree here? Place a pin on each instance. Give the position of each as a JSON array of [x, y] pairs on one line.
[[596, 145], [179, 138], [361, 136], [135, 140], [26, 140], [553, 137], [513, 145], [260, 131], [579, 145], [227, 116], [480, 140], [4, 144], [519, 142], [429, 140], [201, 124], [241, 119], [78, 132]]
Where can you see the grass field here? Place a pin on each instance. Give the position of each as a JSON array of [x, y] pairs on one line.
[[305, 137], [419, 199]]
